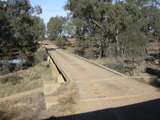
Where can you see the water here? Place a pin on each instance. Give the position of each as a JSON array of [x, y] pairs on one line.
[[13, 61]]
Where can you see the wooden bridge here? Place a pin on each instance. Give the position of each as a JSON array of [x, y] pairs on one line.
[[98, 87]]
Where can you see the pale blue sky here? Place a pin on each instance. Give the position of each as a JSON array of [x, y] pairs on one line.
[[51, 8]]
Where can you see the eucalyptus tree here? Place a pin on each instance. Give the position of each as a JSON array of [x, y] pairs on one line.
[[6, 31], [55, 27], [39, 28], [19, 29], [69, 28], [115, 28], [23, 24]]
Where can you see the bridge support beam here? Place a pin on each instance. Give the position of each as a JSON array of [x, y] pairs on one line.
[[51, 86], [55, 72]]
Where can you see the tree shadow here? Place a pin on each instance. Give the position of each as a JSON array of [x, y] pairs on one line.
[[142, 111], [51, 49], [156, 80]]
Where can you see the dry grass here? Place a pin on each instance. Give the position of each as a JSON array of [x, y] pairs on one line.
[[26, 108], [17, 113], [70, 49], [67, 98], [24, 80], [106, 61], [139, 73]]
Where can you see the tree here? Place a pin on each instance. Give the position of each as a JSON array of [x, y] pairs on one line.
[[39, 28], [6, 31], [60, 42], [69, 28], [108, 27], [55, 27], [23, 24], [19, 29]]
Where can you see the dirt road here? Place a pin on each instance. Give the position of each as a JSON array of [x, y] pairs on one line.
[[100, 88]]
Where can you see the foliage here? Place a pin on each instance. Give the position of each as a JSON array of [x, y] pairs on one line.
[[19, 30], [55, 27], [116, 28], [69, 28], [39, 28], [60, 42], [5, 27]]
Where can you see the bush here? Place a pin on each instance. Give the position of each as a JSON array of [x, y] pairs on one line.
[[14, 79], [40, 56], [90, 53], [60, 42], [118, 67]]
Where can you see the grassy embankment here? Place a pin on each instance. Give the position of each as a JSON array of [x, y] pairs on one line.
[[25, 80]]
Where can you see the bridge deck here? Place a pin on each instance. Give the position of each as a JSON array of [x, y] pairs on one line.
[[99, 88]]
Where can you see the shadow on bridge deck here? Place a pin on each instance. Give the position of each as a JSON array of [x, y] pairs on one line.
[[142, 111]]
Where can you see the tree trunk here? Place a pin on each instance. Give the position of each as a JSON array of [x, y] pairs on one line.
[[102, 48], [117, 43], [101, 55]]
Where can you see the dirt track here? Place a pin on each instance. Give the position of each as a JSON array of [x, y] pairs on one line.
[[100, 88]]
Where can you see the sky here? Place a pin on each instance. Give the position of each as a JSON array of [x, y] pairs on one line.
[[51, 8]]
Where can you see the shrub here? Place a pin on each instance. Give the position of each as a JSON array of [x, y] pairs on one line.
[[40, 56], [60, 42], [14, 79], [90, 53]]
